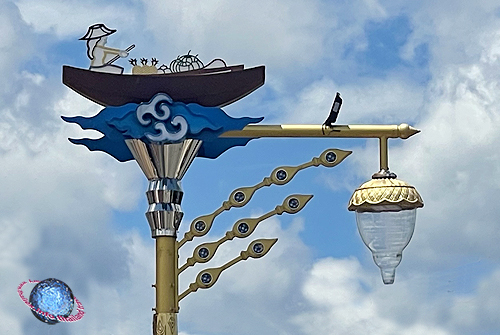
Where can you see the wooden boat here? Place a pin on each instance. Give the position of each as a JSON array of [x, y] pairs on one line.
[[210, 87]]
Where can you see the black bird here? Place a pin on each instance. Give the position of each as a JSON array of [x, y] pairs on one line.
[[334, 112]]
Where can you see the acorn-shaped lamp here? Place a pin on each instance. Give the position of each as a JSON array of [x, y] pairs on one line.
[[385, 214]]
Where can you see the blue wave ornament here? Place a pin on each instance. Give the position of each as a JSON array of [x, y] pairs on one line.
[[161, 120]]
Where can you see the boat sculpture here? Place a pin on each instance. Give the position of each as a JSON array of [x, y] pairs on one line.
[[214, 85]]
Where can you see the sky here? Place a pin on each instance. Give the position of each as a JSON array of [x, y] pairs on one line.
[[78, 216]]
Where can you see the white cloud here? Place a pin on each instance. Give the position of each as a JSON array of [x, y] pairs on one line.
[[291, 38], [392, 99], [453, 162], [343, 301], [254, 32], [471, 310], [15, 45], [71, 18]]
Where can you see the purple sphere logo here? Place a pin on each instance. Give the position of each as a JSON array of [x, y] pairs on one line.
[[52, 301]]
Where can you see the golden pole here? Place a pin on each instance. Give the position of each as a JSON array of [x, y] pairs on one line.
[[165, 318]]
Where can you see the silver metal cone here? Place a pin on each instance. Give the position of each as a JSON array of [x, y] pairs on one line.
[[164, 191], [159, 161], [164, 165], [164, 219], [140, 152]]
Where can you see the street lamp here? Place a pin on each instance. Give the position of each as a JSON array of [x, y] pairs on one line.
[[165, 121], [385, 214], [385, 206]]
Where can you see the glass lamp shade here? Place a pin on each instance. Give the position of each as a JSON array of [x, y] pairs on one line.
[[386, 234]]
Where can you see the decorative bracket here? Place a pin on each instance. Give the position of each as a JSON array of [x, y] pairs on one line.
[[241, 196], [244, 228], [208, 277]]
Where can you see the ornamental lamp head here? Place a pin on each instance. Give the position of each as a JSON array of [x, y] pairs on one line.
[[385, 215]]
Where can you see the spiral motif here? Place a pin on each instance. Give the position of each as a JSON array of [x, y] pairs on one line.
[[158, 109]]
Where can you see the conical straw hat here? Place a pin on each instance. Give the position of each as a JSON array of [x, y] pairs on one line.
[[97, 31]]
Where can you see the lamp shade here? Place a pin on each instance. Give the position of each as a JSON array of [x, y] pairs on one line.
[[384, 195], [385, 215]]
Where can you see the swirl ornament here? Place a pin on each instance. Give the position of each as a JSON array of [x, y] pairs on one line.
[[159, 110], [386, 194]]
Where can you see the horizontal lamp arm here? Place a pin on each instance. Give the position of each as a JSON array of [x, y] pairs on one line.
[[402, 131]]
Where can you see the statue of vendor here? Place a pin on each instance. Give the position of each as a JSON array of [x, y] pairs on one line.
[[101, 56]]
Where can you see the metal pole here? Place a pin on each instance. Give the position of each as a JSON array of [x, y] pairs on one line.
[[165, 318]]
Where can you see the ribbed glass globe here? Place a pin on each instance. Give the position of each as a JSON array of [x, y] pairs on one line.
[[386, 234]]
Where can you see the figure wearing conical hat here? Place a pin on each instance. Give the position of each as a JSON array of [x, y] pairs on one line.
[[100, 55]]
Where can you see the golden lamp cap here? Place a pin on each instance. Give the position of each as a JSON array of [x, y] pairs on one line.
[[385, 195]]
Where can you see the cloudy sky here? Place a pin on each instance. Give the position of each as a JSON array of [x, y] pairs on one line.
[[78, 216]]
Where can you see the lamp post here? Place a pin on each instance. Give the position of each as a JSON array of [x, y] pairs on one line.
[[165, 121], [385, 206], [385, 212]]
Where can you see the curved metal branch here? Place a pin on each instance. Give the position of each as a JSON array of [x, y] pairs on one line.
[[244, 228], [207, 278], [241, 196]]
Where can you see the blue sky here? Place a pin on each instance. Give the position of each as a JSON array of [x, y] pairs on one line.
[[78, 215]]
